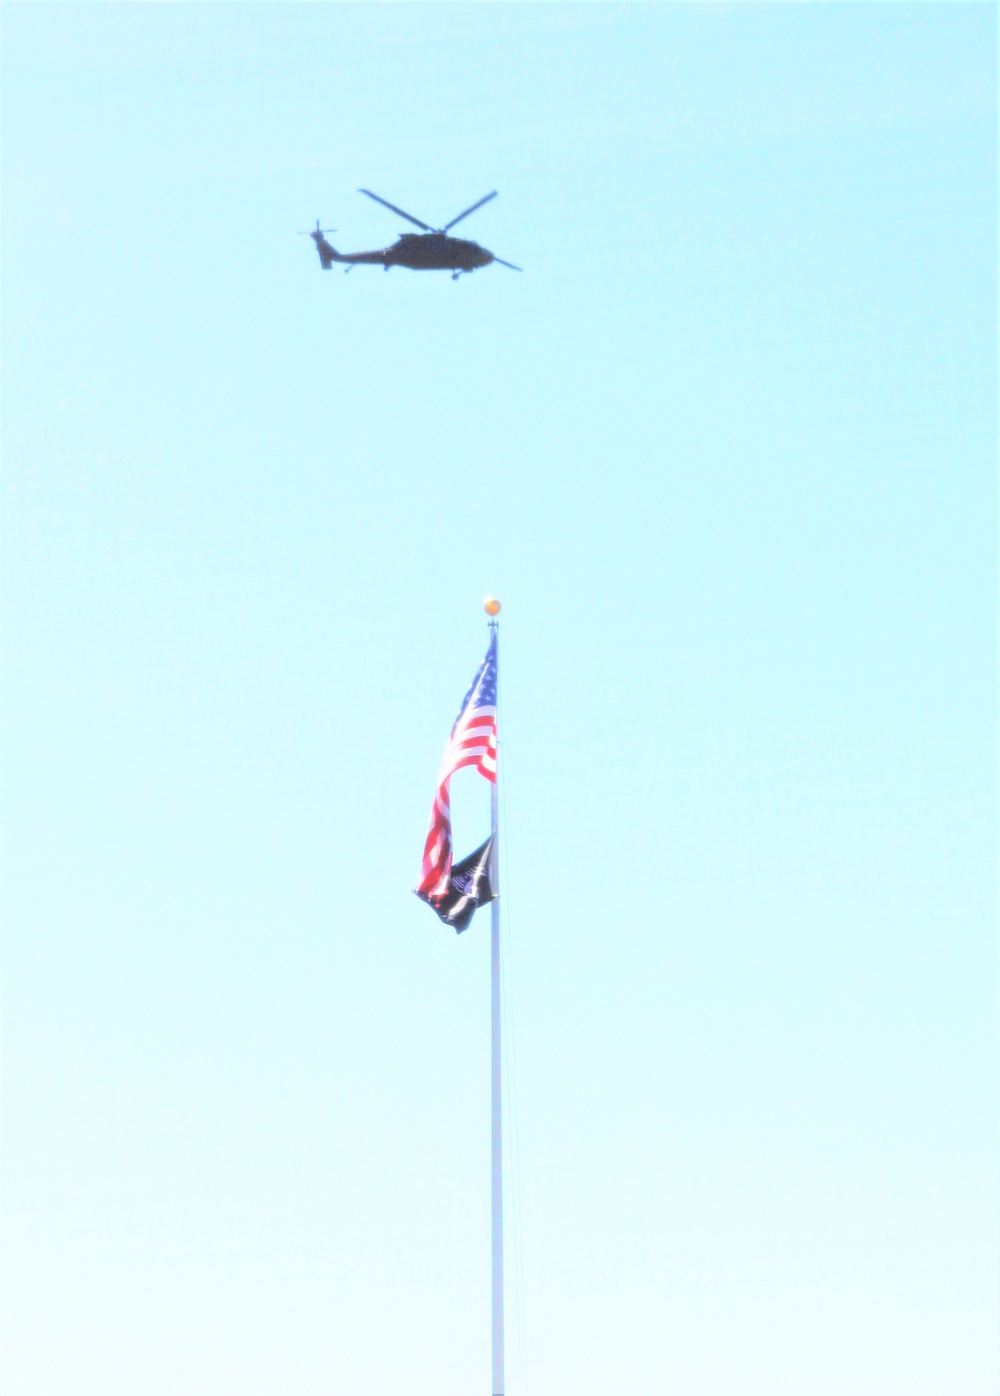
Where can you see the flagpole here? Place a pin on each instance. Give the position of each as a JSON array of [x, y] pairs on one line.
[[492, 608]]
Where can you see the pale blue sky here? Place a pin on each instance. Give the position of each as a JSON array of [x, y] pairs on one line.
[[725, 451]]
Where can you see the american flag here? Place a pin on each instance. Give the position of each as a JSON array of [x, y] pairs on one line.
[[473, 742]]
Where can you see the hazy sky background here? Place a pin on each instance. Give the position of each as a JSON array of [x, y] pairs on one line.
[[725, 451]]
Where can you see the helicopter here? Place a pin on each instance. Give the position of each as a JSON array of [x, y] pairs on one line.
[[431, 250]]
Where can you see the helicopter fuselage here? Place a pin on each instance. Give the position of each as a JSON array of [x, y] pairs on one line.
[[429, 250], [418, 251]]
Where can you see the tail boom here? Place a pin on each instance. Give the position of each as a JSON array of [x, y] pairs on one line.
[[328, 254]]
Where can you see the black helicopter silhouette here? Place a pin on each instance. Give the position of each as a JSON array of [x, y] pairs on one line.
[[431, 250]]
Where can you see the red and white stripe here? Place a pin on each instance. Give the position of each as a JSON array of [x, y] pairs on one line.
[[473, 743]]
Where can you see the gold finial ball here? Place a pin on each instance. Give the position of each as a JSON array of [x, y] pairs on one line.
[[491, 606]]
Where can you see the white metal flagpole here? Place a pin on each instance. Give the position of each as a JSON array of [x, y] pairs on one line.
[[492, 608]]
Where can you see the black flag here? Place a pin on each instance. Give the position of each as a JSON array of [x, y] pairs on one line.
[[469, 887]]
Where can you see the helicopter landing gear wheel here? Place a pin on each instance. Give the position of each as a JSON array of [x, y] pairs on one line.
[[455, 275]]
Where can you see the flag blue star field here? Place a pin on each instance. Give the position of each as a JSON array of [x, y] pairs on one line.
[[473, 742]]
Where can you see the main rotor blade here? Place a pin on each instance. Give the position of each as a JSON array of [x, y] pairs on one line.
[[468, 211], [507, 264], [409, 216]]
